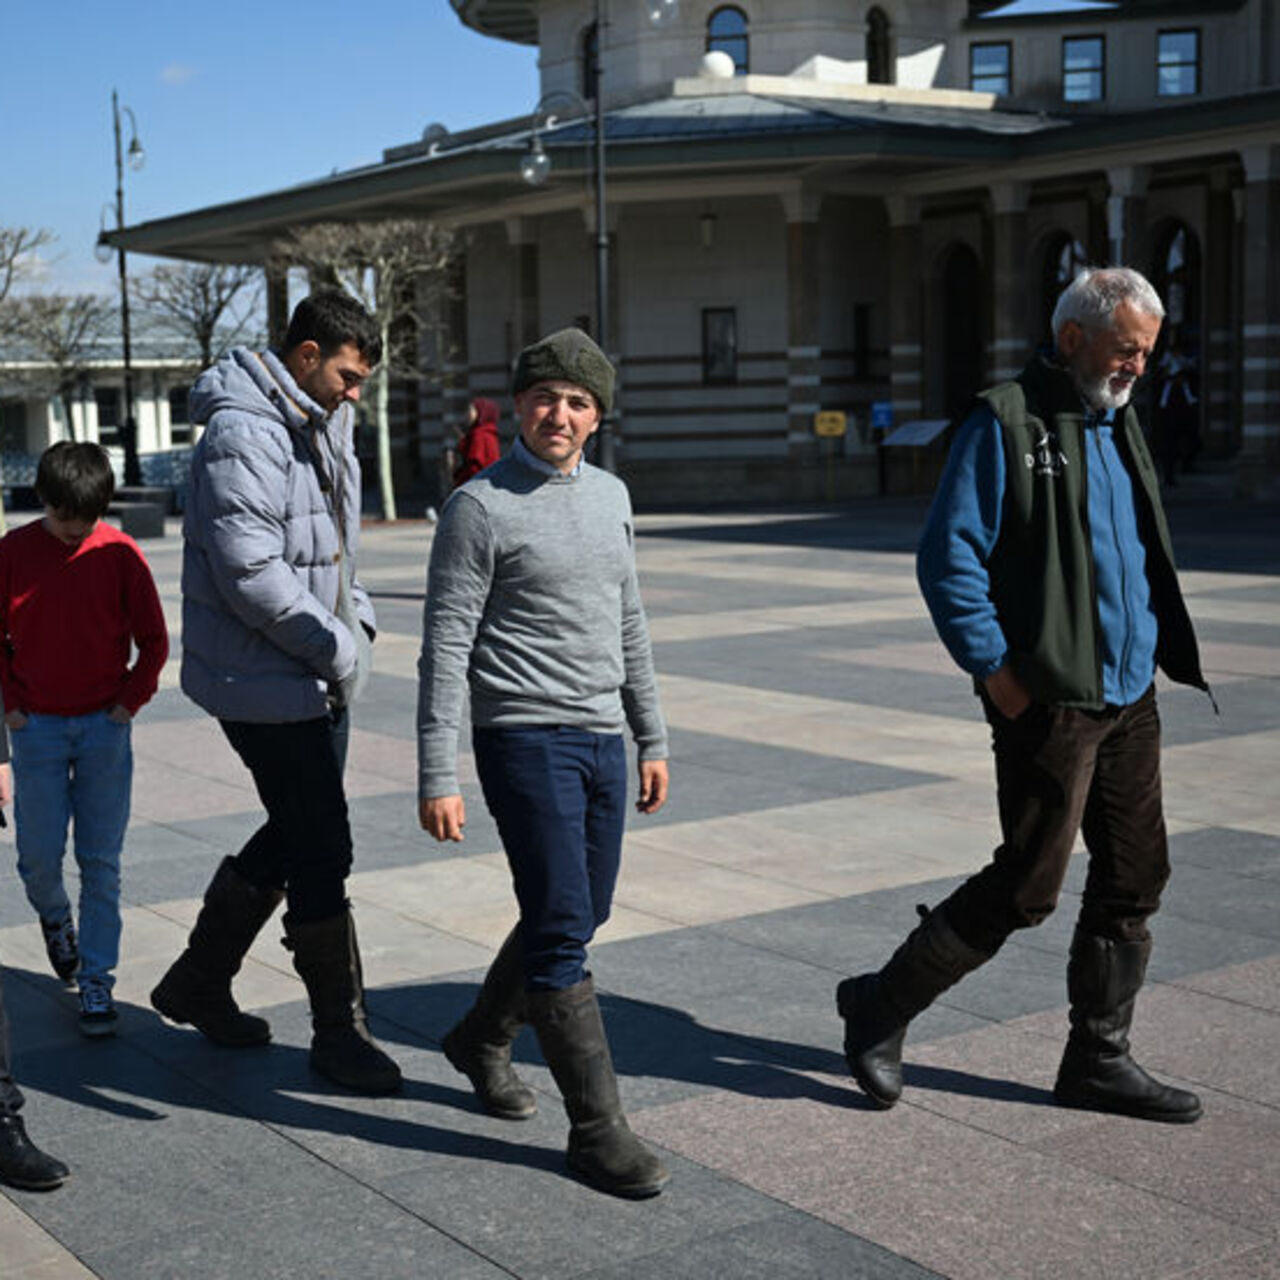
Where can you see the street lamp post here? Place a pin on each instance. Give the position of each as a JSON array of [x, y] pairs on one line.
[[136, 159], [536, 164]]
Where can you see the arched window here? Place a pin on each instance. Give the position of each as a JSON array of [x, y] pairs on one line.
[[590, 61], [880, 69], [1064, 259], [1177, 271], [727, 31]]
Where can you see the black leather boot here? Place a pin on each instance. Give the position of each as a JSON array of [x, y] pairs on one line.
[[602, 1148], [480, 1045], [876, 1007], [1097, 1073], [197, 987], [22, 1163], [327, 958]]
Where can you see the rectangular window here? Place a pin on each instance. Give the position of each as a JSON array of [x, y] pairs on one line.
[[719, 344], [13, 426], [861, 341], [179, 416], [991, 68], [108, 401], [1083, 69], [1177, 63]]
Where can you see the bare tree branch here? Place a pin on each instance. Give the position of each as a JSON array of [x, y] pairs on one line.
[[17, 247], [197, 301], [64, 332], [399, 270]]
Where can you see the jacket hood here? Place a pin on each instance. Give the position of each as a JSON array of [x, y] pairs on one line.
[[487, 412], [248, 382]]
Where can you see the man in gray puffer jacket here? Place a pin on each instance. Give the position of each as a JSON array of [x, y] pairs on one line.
[[276, 636]]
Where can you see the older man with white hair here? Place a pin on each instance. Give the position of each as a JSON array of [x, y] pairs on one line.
[[1047, 567]]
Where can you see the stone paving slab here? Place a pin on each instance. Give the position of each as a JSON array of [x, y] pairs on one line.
[[830, 771]]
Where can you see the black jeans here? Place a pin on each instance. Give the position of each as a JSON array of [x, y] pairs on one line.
[[1060, 771], [10, 1094], [304, 847]]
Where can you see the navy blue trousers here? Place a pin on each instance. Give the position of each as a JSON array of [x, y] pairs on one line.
[[304, 847], [559, 797]]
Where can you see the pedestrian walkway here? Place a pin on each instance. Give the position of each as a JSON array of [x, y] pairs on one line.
[[830, 771]]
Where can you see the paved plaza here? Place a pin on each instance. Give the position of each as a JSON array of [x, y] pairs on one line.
[[830, 771]]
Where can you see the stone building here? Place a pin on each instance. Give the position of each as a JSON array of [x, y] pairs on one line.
[[829, 205]]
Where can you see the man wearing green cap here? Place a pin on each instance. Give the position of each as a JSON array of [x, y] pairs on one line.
[[532, 602]]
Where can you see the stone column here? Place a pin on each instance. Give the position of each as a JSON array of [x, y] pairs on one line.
[[1260, 445], [1127, 215], [906, 309], [804, 349], [527, 302], [1219, 383], [1011, 339]]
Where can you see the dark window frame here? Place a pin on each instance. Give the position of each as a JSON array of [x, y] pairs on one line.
[[729, 42], [109, 424], [180, 425], [1099, 70], [719, 346], [1007, 46], [1195, 65]]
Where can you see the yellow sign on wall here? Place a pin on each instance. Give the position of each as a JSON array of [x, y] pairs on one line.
[[830, 422]]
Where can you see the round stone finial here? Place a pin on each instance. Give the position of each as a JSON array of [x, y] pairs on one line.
[[717, 65]]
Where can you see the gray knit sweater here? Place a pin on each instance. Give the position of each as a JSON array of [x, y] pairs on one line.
[[532, 602]]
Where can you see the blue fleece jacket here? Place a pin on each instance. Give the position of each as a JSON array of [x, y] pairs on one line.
[[963, 527]]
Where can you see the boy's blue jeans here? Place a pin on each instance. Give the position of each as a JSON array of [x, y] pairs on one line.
[[74, 770], [559, 798]]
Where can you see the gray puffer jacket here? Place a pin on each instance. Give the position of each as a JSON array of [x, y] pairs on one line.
[[260, 567]]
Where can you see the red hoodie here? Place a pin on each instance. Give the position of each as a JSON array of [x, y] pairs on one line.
[[479, 447]]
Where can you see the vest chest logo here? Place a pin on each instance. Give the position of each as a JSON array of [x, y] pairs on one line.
[[1045, 458]]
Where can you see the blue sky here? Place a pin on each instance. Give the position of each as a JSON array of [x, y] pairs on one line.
[[231, 99]]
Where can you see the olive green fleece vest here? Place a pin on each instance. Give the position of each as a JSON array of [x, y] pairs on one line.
[[1041, 570]]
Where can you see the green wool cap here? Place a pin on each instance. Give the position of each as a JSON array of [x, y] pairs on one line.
[[567, 356]]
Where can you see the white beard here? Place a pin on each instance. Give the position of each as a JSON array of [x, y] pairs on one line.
[[1099, 395]]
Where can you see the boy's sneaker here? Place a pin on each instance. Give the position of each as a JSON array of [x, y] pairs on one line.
[[60, 943], [97, 1010]]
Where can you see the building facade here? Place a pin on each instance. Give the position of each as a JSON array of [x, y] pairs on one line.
[[819, 206], [34, 414]]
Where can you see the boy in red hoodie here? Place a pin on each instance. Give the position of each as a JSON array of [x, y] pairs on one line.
[[75, 594]]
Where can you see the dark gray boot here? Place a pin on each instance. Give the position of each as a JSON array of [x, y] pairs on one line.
[[327, 958], [197, 987], [22, 1163], [602, 1148], [876, 1007], [1097, 1073], [480, 1045]]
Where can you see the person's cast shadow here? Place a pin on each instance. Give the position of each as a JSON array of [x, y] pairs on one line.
[[662, 1054]]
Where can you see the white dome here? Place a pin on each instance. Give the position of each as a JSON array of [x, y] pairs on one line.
[[717, 65]]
